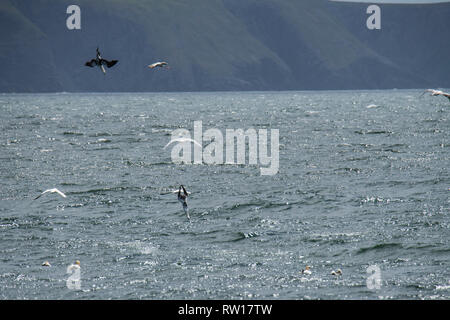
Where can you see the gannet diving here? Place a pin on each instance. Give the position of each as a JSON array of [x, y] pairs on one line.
[[100, 62], [182, 198], [51, 191], [437, 93]]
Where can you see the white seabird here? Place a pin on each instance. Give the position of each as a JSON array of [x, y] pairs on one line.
[[158, 64], [437, 93], [51, 191], [338, 272], [306, 270]]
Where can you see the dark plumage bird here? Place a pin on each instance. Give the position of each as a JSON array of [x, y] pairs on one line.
[[182, 198], [100, 62]]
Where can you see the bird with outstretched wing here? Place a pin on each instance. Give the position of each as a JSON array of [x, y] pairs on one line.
[[100, 62]]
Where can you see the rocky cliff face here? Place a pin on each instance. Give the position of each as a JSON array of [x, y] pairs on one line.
[[222, 45]]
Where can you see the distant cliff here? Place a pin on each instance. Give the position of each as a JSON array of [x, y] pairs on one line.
[[222, 45]]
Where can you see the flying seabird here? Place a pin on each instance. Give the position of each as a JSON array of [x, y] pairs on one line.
[[51, 191], [183, 140], [100, 62], [437, 93], [158, 64]]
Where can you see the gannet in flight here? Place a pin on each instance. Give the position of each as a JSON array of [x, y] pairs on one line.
[[183, 140], [437, 93], [158, 64], [100, 62], [51, 191]]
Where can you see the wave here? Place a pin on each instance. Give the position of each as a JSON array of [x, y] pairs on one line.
[[243, 235], [72, 133], [380, 247], [100, 134], [363, 132], [142, 164], [106, 190]]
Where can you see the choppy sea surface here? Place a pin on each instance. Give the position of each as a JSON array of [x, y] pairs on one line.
[[363, 183]]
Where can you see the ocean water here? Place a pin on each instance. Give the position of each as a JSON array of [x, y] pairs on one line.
[[363, 183]]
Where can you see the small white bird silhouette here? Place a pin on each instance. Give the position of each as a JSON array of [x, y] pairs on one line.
[[51, 191], [338, 272]]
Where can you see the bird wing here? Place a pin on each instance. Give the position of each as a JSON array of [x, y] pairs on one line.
[[427, 90], [437, 93], [60, 193], [434, 92], [176, 191], [91, 63], [38, 196], [158, 64], [52, 191], [48, 190], [111, 63]]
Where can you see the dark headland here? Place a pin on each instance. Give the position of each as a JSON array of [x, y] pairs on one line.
[[214, 45]]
